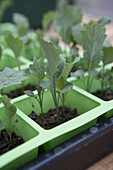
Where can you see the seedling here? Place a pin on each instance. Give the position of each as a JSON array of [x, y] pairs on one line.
[[92, 41], [38, 69], [9, 77], [10, 111], [57, 72], [106, 76], [63, 22]]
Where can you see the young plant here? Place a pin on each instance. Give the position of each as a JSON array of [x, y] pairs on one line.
[[38, 69], [57, 72], [106, 77], [63, 22], [92, 40], [10, 111], [65, 19]]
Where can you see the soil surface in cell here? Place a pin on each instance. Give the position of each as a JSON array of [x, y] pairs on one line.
[[19, 92], [5, 144], [105, 95], [49, 120]]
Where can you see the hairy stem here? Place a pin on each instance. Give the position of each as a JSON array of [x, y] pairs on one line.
[[63, 101], [53, 91]]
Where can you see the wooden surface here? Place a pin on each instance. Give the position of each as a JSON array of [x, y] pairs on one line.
[[104, 164]]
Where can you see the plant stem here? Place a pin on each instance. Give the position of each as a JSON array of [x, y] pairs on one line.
[[9, 129], [2, 92], [18, 63], [53, 91], [63, 101]]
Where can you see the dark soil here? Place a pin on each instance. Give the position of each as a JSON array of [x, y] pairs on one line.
[[49, 120], [19, 92], [105, 95], [5, 141]]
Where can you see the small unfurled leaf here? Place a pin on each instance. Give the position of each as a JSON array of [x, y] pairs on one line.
[[47, 19], [10, 77], [104, 21], [10, 108], [2, 124], [53, 56], [107, 55], [92, 41], [66, 88], [15, 44], [76, 32], [38, 68], [67, 68], [60, 69], [46, 84], [66, 18], [78, 74], [29, 93], [0, 52]]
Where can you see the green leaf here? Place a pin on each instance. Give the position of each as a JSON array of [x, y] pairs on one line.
[[10, 108], [66, 88], [38, 68], [78, 74], [60, 69], [92, 41], [104, 21], [107, 55], [39, 34], [2, 124], [63, 78], [29, 93], [66, 18], [47, 19], [46, 85], [20, 19], [12, 111], [53, 56], [15, 44], [10, 77], [76, 32]]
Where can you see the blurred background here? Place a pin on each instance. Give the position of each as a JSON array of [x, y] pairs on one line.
[[34, 9]]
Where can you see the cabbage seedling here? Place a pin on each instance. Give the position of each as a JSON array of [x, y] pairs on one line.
[[57, 72], [10, 111], [38, 69]]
